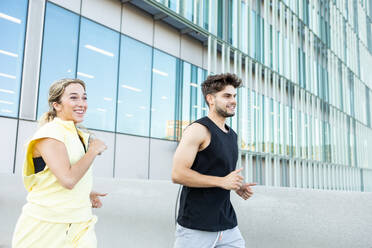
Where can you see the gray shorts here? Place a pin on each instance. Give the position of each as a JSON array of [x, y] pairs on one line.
[[190, 238]]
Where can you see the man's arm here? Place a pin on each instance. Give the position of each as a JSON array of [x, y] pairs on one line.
[[193, 137]]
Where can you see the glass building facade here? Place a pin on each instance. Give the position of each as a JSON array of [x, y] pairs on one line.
[[133, 88], [304, 113], [12, 23]]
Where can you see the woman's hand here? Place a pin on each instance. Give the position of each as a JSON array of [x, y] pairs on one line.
[[94, 199], [96, 146]]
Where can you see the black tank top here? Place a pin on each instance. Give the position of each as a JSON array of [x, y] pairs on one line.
[[210, 209]]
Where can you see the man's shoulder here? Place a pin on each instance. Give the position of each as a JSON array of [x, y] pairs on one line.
[[195, 132], [197, 128]]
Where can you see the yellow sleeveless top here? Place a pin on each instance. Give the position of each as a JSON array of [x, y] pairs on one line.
[[47, 199]]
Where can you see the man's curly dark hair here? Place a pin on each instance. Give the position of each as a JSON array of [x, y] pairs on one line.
[[216, 83]]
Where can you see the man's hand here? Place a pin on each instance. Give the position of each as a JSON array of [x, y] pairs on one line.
[[94, 199], [245, 190], [233, 181]]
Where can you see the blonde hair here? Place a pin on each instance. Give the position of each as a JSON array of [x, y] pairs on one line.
[[56, 91]]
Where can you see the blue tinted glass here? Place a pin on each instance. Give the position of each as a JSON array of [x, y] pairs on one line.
[[186, 92], [195, 87], [98, 67], [189, 12], [205, 14], [12, 26], [172, 4], [202, 75], [193, 104], [59, 50], [244, 30], [252, 35], [199, 107], [134, 87], [164, 71]]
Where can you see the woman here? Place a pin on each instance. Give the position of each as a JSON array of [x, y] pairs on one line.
[[57, 173]]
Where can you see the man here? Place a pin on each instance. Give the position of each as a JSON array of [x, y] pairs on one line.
[[205, 162]]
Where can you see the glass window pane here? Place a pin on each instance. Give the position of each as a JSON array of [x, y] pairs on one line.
[[252, 35], [164, 72], [173, 5], [202, 109], [185, 89], [12, 26], [98, 67], [134, 87], [253, 125], [245, 121], [60, 43], [243, 28], [189, 8], [193, 105], [206, 14], [194, 88], [186, 92]]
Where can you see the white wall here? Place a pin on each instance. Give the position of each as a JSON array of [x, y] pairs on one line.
[[161, 159], [137, 24], [106, 12], [25, 131], [8, 134], [131, 157]]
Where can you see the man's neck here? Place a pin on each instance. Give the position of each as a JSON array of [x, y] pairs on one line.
[[217, 119]]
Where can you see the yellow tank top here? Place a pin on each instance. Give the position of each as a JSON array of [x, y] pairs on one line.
[[47, 199]]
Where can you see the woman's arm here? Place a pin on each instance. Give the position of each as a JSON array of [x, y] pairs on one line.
[[55, 155]]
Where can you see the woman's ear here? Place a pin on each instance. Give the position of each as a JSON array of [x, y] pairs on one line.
[[56, 106]]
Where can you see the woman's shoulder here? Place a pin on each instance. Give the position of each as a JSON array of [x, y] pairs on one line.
[[51, 126], [51, 130]]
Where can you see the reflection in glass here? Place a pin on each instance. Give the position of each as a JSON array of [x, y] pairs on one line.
[[173, 5], [206, 14], [98, 67], [164, 72], [59, 53], [187, 85], [187, 7], [244, 117], [253, 126], [252, 35], [193, 103], [12, 26], [243, 28], [203, 110], [134, 87]]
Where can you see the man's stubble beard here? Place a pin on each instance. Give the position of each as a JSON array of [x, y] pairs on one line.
[[223, 113]]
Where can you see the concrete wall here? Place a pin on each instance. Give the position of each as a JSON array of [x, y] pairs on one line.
[[140, 213]]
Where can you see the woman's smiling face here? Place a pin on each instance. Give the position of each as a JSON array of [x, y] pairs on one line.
[[73, 104]]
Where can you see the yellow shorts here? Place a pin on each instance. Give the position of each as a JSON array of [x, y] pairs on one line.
[[35, 233]]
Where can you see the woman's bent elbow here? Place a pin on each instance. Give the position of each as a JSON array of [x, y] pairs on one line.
[[68, 184]]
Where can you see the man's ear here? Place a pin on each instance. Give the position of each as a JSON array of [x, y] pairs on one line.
[[210, 99]]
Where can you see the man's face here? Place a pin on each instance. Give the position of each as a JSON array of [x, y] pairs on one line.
[[224, 102]]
